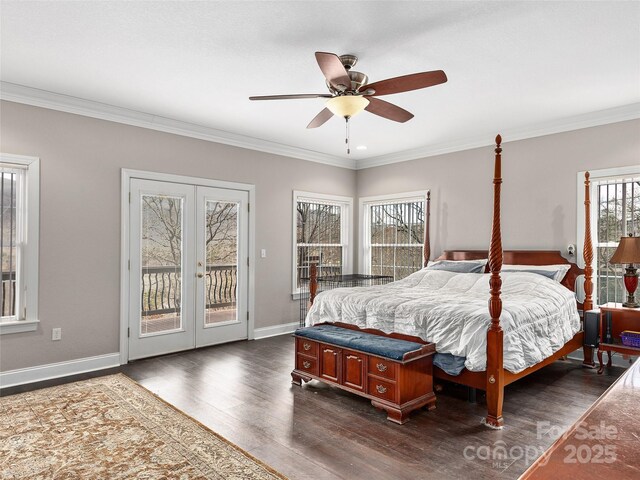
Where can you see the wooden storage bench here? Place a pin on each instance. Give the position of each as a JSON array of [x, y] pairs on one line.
[[395, 374]]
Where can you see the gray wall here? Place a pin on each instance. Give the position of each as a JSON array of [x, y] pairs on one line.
[[80, 162], [538, 192]]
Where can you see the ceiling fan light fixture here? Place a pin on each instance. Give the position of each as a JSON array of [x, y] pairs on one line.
[[347, 105]]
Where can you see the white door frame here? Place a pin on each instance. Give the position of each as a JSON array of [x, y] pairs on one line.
[[126, 176]]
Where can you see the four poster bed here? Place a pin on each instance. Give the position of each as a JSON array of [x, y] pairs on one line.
[[492, 376]]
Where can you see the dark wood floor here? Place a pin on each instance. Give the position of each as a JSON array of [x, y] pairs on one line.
[[243, 391]]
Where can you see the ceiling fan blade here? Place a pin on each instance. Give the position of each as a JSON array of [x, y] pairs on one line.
[[333, 70], [388, 110], [321, 118], [406, 83], [291, 97]]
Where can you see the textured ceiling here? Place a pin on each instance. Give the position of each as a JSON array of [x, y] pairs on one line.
[[511, 65]]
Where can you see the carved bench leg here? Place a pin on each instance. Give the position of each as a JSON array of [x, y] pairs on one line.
[[401, 415], [395, 415], [297, 378]]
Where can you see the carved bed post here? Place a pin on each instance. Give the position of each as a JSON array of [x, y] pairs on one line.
[[427, 237], [313, 282], [588, 269], [588, 248], [495, 370]]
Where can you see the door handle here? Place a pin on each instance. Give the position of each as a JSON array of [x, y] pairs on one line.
[[199, 274]]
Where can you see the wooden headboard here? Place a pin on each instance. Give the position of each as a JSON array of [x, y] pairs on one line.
[[522, 257]]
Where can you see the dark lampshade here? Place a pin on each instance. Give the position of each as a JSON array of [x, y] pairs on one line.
[[628, 251]]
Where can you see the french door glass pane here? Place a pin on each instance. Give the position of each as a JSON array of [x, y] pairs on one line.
[[221, 244], [161, 249]]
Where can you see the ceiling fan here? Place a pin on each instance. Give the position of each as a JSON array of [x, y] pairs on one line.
[[350, 93]]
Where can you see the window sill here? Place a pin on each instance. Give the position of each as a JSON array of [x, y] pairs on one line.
[[18, 326]]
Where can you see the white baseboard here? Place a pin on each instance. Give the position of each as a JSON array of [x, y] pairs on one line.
[[265, 332], [56, 370]]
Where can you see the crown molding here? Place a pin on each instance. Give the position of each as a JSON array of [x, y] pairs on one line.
[[65, 103], [41, 98], [576, 122]]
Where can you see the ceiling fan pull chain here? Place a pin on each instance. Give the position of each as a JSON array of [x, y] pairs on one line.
[[346, 140]]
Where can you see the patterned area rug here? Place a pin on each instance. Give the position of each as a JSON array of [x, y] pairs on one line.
[[112, 428]]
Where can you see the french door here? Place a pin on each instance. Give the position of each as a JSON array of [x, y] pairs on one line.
[[188, 267]]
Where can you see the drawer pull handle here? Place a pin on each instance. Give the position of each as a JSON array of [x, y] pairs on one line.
[[306, 364], [381, 389], [306, 346], [381, 367]]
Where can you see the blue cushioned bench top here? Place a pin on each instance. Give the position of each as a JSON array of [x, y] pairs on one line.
[[386, 347]]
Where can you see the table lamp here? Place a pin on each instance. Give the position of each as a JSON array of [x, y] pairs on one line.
[[628, 252]]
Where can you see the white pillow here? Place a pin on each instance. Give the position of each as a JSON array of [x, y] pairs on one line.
[[554, 272]]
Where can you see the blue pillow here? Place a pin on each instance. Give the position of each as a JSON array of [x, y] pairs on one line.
[[459, 266]]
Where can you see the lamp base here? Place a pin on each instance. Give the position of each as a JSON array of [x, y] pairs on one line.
[[631, 283]]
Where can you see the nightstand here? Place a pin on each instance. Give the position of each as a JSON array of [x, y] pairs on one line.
[[622, 318]]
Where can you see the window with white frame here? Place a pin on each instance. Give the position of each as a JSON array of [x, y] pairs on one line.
[[617, 209], [393, 234], [321, 226], [19, 202]]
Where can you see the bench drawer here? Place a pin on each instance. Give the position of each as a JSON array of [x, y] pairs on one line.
[[330, 363], [307, 364], [307, 347], [381, 367], [354, 370], [382, 389]]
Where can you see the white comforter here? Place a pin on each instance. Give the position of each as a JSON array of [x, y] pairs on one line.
[[538, 317]]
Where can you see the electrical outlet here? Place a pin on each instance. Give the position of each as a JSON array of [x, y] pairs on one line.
[[263, 253], [56, 334]]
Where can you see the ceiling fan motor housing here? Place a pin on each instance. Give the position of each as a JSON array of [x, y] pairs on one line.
[[358, 79], [348, 61]]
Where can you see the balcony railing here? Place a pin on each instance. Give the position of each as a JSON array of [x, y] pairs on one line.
[[8, 307], [162, 287]]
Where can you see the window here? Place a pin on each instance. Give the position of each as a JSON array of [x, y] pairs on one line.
[[393, 234], [19, 200], [617, 206], [611, 218], [321, 231]]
